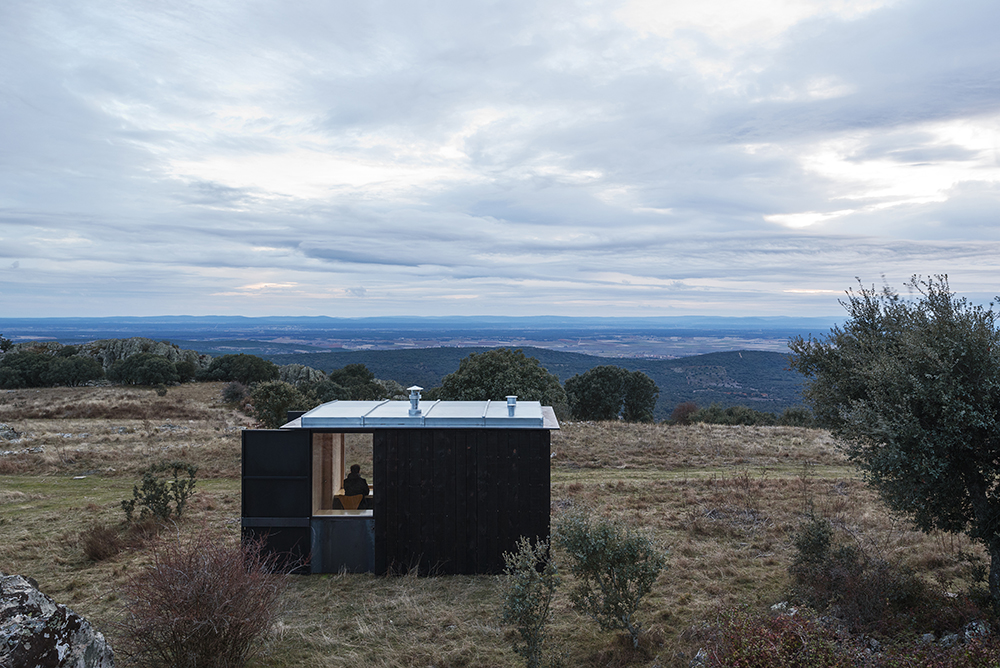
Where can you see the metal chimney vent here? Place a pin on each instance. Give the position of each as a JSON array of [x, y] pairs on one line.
[[414, 400], [511, 405]]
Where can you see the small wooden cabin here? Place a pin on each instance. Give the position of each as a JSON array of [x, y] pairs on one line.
[[455, 484]]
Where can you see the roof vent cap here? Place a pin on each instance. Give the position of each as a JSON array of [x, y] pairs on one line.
[[511, 404], [414, 400]]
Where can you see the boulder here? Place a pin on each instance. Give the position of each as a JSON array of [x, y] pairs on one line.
[[37, 632]]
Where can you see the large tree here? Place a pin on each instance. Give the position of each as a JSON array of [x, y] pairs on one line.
[[500, 372], [242, 368], [609, 392], [912, 386]]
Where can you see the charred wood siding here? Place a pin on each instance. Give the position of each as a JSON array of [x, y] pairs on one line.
[[277, 493], [454, 500]]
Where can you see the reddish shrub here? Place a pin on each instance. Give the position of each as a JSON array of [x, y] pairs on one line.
[[201, 603]]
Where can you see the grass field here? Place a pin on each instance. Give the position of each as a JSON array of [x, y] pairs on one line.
[[724, 501]]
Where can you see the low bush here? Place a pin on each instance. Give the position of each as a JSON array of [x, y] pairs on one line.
[[800, 639], [101, 542], [201, 603], [614, 567], [868, 593], [745, 640], [162, 492], [682, 412], [234, 393], [527, 589]]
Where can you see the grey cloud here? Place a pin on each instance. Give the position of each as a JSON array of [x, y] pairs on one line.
[[602, 161]]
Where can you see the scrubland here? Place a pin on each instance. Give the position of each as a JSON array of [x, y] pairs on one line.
[[724, 502]]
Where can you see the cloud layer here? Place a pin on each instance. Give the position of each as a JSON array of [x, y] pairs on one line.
[[516, 158]]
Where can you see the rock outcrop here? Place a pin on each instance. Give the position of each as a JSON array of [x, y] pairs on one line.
[[37, 632], [108, 351], [296, 374]]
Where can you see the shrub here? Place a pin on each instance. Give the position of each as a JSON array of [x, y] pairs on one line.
[[234, 392], [161, 492], [271, 401], [682, 412], [614, 567], [527, 588], [746, 640], [203, 603], [101, 542], [733, 415], [869, 594], [797, 416], [743, 639]]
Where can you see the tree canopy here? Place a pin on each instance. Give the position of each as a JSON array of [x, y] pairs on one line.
[[242, 368], [912, 386], [496, 374], [143, 369], [609, 392]]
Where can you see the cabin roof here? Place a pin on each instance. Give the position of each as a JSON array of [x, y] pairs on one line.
[[431, 415]]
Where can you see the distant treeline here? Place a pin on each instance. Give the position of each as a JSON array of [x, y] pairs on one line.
[[759, 382]]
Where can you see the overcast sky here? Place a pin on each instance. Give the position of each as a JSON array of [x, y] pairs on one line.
[[656, 157]]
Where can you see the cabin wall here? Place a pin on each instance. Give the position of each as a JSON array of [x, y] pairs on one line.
[[454, 500], [277, 493]]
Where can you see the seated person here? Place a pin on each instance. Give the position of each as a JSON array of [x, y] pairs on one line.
[[355, 484]]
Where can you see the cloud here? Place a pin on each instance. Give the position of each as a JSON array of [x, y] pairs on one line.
[[549, 158]]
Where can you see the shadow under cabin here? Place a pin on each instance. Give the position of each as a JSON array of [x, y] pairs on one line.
[[455, 484]]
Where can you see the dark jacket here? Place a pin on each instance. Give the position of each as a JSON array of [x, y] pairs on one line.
[[355, 484]]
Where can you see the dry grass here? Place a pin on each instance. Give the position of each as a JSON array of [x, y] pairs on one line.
[[724, 500], [114, 431]]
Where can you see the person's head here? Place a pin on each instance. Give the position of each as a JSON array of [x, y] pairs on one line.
[[356, 468]]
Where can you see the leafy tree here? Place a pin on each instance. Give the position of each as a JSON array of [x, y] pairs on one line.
[[597, 394], [639, 397], [5, 344], [24, 369], [360, 382], [272, 400], [609, 392], [354, 382], [912, 386], [72, 371], [246, 369], [498, 373], [186, 370], [143, 369]]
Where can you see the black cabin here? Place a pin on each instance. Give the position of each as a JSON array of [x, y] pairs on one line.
[[455, 484]]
